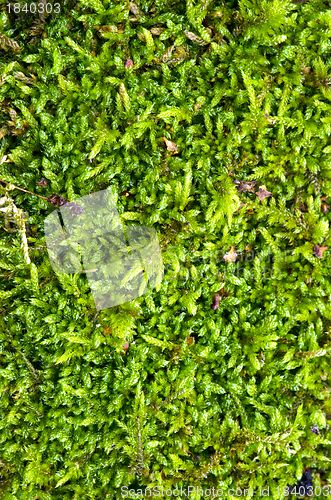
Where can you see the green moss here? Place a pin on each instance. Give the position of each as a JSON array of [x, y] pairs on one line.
[[226, 398]]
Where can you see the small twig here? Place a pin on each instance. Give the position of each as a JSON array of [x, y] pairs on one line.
[[9, 184], [54, 199], [30, 365], [18, 215]]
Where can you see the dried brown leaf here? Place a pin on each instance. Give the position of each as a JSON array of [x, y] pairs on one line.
[[245, 186], [325, 208], [43, 182], [319, 250], [231, 255], [134, 9], [194, 38], [171, 146], [128, 64], [156, 30], [216, 301], [263, 193], [57, 200]]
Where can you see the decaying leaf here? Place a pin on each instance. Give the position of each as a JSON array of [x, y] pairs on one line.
[[245, 186], [216, 301], [157, 30], [319, 250], [174, 55], [194, 38], [303, 207], [263, 193], [128, 64], [167, 54], [134, 9], [6, 42], [57, 200], [125, 193], [42, 183], [171, 146], [217, 298], [324, 206], [231, 256]]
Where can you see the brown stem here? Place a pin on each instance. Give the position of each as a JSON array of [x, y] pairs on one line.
[[25, 190]]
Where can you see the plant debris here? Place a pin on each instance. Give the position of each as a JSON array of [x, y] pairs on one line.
[[231, 255], [263, 193], [42, 182], [245, 186], [129, 64], [171, 146], [319, 250], [57, 200]]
